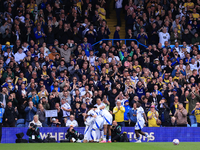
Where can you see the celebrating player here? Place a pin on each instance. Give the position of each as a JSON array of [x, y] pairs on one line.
[[140, 123]]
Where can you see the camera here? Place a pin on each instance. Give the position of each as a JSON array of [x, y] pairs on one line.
[[33, 125]]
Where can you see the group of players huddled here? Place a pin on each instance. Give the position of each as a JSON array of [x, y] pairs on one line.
[[98, 123]]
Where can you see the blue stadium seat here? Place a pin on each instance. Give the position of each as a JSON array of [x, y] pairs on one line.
[[5, 45], [20, 123], [194, 125]]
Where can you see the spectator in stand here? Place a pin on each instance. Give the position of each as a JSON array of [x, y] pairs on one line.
[[164, 114], [3, 97], [142, 36], [86, 46], [60, 113], [180, 116], [195, 112], [30, 111], [118, 8], [132, 115], [175, 36], [196, 39], [152, 117], [36, 121], [118, 111], [164, 36], [10, 115], [193, 98], [71, 121], [41, 115]]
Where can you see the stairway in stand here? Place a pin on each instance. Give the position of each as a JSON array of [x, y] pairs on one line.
[[113, 21]]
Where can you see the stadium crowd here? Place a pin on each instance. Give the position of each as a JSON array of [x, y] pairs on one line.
[[53, 65]]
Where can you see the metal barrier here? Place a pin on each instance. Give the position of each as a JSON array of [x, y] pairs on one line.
[[138, 43]]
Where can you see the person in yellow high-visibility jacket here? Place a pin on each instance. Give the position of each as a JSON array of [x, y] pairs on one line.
[[118, 111]]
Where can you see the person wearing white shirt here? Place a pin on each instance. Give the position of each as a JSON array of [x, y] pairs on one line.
[[182, 52], [193, 65], [177, 47], [36, 121], [86, 90], [164, 36], [66, 108], [112, 57], [19, 56], [91, 58], [71, 121]]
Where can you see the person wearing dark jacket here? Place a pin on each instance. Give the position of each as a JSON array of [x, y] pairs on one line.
[[72, 135], [115, 132], [34, 134], [164, 115], [50, 37], [111, 96], [187, 36], [60, 112], [10, 115]]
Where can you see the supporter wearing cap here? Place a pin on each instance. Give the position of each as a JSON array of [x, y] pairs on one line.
[[152, 117]]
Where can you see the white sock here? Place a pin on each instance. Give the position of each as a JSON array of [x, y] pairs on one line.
[[94, 134], [104, 137], [101, 133]]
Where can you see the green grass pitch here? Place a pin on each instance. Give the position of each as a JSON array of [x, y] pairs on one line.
[[103, 146]]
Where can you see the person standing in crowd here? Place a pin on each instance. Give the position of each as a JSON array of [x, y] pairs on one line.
[[152, 117], [193, 98], [196, 112], [164, 36], [118, 111], [118, 8], [10, 115], [180, 116], [30, 111], [132, 115]]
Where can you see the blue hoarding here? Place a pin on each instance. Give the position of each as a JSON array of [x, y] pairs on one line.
[[160, 134]]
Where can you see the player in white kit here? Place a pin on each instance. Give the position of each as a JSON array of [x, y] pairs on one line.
[[97, 125], [89, 120], [140, 123], [107, 120]]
